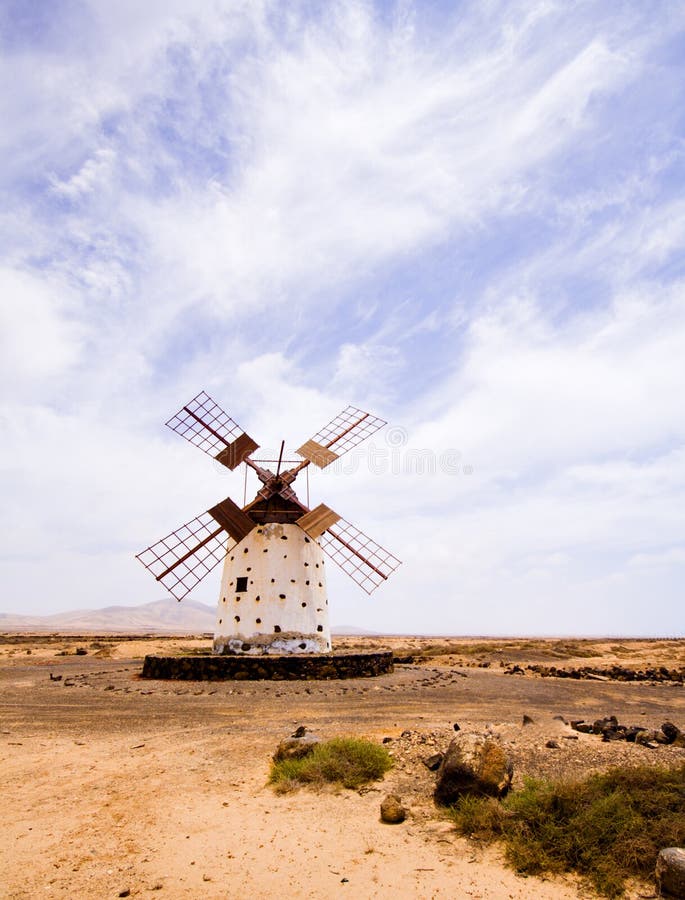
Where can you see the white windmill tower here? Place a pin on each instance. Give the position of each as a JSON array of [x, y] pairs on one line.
[[273, 590]]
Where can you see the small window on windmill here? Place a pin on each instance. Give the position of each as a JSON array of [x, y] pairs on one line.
[[241, 584]]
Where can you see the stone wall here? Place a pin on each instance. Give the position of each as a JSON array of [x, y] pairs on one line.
[[276, 668]]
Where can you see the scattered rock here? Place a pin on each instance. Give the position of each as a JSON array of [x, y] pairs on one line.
[[392, 810], [433, 762], [387, 740], [299, 732], [560, 719], [553, 745], [456, 726], [125, 893], [527, 720], [55, 677], [656, 674], [295, 748], [671, 732], [81, 651], [582, 727], [515, 670], [670, 872], [473, 765]]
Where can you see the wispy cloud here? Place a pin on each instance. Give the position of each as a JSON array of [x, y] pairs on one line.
[[467, 218]]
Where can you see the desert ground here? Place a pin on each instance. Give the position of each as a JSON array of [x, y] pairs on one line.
[[114, 784]]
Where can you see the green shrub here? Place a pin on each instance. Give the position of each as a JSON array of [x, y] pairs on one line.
[[350, 762], [606, 828]]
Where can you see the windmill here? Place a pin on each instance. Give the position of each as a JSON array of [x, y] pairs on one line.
[[273, 589]]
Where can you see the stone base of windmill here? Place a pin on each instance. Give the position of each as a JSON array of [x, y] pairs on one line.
[[243, 667]]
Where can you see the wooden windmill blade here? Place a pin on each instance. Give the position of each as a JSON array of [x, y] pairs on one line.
[[205, 424], [340, 435], [365, 561], [181, 560]]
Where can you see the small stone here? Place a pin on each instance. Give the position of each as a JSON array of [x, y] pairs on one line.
[[299, 732], [125, 893], [527, 720], [433, 762], [387, 740], [670, 872], [456, 726], [392, 810], [553, 745]]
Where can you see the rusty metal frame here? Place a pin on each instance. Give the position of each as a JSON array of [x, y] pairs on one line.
[[205, 424], [181, 560], [358, 555]]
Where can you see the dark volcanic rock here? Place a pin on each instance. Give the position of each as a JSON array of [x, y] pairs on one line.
[[433, 762], [473, 765]]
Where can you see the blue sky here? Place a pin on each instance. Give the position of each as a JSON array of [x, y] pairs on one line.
[[468, 218]]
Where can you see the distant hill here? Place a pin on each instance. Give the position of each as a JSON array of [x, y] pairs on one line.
[[166, 616], [163, 616]]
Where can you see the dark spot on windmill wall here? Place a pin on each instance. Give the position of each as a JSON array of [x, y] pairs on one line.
[[273, 580], [257, 598], [292, 581], [265, 550], [245, 647], [303, 604], [307, 582], [307, 541], [320, 585], [284, 537], [258, 621], [282, 596], [277, 628], [220, 621], [245, 550], [302, 646], [237, 618], [306, 564], [319, 627], [249, 568], [241, 584]]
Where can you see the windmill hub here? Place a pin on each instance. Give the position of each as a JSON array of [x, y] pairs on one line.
[[273, 590]]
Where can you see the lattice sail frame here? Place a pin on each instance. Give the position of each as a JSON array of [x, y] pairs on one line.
[[358, 555], [347, 429], [222, 429], [181, 560]]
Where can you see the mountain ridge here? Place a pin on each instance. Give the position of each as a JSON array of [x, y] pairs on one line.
[[161, 616]]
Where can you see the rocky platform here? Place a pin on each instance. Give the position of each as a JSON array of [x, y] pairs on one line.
[[310, 667]]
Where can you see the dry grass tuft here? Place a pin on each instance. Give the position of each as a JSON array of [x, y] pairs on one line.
[[349, 762], [607, 828]]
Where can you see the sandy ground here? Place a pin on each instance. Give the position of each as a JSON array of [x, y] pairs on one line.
[[113, 784]]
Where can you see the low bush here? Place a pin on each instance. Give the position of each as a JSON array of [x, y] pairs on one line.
[[607, 828], [350, 762]]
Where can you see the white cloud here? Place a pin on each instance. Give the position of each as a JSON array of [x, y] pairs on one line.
[[205, 196]]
